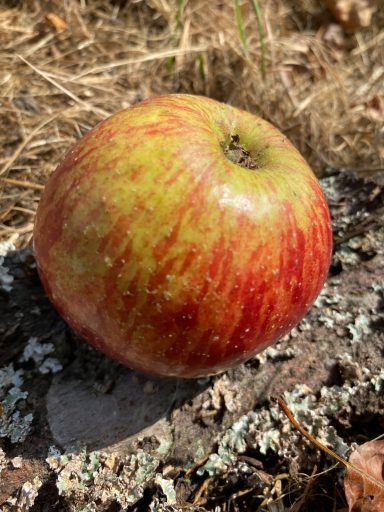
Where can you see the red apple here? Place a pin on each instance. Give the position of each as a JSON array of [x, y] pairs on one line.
[[181, 236]]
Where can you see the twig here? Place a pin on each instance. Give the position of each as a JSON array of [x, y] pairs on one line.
[[23, 183], [198, 464], [23, 210], [200, 491], [321, 446], [9, 229]]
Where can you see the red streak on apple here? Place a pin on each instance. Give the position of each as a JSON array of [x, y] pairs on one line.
[[169, 256]]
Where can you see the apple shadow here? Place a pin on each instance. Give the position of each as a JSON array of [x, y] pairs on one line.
[[137, 406], [80, 408]]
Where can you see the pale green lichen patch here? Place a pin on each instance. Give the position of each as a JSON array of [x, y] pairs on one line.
[[39, 353], [13, 424], [6, 279], [331, 314], [276, 351], [224, 392], [355, 323], [232, 443], [168, 488], [3, 461], [98, 477], [164, 446], [360, 327], [378, 381]]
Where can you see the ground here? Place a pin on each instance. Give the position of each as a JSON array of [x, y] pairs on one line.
[[79, 432]]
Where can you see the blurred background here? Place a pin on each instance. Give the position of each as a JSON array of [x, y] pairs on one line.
[[314, 68]]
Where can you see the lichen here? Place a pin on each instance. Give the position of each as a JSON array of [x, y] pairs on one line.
[[17, 462], [3, 460], [10, 377], [328, 302], [26, 496], [168, 488], [232, 442], [223, 393], [93, 477], [378, 381], [267, 429], [378, 288], [215, 465], [164, 446], [360, 327], [277, 352], [13, 424], [6, 279], [38, 352]]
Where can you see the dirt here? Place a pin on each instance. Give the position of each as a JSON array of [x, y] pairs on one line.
[[211, 444]]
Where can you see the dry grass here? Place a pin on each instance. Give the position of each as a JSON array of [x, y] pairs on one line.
[[65, 65]]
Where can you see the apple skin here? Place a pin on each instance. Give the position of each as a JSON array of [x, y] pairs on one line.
[[169, 257]]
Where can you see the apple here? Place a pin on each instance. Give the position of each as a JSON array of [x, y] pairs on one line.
[[181, 236]]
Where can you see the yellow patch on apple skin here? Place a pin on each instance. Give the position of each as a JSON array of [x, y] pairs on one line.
[[172, 258]]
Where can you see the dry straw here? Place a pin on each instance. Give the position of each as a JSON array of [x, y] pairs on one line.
[[65, 65]]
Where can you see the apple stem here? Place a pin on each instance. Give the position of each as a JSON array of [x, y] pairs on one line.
[[238, 154]]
